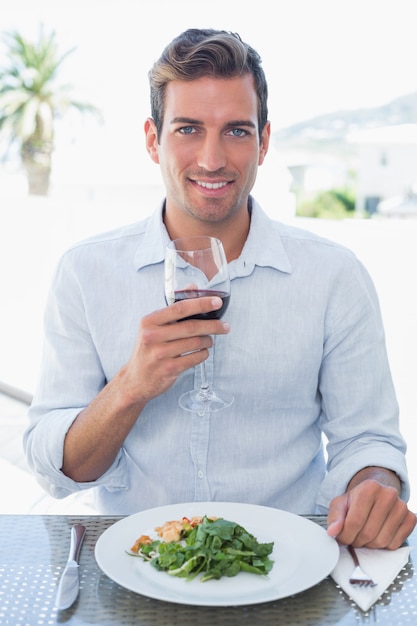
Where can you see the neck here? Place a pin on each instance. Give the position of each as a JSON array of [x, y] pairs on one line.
[[232, 232]]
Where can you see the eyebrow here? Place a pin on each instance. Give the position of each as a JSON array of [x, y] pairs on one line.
[[241, 123], [185, 120], [231, 123]]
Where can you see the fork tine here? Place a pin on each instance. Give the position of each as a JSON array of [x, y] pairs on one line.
[[359, 577]]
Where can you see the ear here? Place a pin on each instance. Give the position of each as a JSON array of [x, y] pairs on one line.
[[263, 148], [151, 139]]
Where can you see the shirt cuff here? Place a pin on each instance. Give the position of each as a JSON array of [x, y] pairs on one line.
[[337, 479], [44, 451]]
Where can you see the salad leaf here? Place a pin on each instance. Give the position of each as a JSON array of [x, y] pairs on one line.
[[214, 547]]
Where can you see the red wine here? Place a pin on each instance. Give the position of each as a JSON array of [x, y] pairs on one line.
[[184, 294]]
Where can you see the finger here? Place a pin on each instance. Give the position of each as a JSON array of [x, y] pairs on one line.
[[195, 334], [337, 514], [183, 346], [398, 524], [403, 531], [357, 528], [348, 516], [188, 307], [188, 360], [384, 515], [164, 325]]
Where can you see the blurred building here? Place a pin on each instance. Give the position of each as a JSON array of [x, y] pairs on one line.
[[386, 169]]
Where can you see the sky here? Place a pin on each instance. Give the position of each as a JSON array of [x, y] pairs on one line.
[[319, 56]]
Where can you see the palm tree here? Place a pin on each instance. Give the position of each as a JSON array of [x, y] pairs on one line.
[[31, 100]]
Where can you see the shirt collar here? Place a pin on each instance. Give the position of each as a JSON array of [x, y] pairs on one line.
[[263, 246], [154, 240]]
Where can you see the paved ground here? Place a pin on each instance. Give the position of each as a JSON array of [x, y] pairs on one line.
[[387, 247]]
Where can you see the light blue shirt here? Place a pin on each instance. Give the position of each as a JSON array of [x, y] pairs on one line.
[[305, 357]]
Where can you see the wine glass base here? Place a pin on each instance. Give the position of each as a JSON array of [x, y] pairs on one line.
[[201, 401]]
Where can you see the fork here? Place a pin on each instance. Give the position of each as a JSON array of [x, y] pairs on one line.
[[358, 575]]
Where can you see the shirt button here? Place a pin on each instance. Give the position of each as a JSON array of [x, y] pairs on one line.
[[200, 474]]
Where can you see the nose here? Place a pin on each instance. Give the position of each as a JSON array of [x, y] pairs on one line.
[[211, 155]]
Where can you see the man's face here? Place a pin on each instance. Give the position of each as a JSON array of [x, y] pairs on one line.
[[209, 148]]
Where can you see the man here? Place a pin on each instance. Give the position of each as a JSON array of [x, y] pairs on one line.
[[302, 350]]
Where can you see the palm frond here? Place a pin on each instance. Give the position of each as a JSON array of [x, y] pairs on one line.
[[30, 94]]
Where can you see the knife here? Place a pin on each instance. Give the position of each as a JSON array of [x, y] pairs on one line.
[[69, 584]]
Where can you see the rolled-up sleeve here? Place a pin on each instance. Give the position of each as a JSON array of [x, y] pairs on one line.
[[360, 415], [70, 370]]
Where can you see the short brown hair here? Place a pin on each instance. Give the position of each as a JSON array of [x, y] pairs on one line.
[[206, 52]]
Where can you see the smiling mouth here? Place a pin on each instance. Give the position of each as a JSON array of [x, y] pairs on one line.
[[206, 185]]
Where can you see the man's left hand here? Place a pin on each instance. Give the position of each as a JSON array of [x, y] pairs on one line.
[[371, 514]]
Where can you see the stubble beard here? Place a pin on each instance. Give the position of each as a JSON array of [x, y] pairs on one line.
[[212, 210]]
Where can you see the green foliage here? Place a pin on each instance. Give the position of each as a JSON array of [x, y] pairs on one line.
[[330, 204], [30, 95], [31, 99]]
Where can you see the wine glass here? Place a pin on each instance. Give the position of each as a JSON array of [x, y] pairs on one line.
[[196, 267]]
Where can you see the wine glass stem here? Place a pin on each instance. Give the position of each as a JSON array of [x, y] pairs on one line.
[[204, 385]]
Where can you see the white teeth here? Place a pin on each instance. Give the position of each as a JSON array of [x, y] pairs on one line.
[[211, 185]]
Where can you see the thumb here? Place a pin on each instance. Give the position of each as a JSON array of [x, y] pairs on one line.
[[337, 514]]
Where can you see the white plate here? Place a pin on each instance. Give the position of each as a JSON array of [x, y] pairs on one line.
[[303, 555]]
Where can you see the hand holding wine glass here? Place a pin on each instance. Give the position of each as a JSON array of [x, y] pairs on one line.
[[197, 267]]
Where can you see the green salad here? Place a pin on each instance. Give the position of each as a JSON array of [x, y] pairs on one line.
[[211, 547]]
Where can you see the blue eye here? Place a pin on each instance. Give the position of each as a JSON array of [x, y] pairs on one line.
[[187, 130]]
